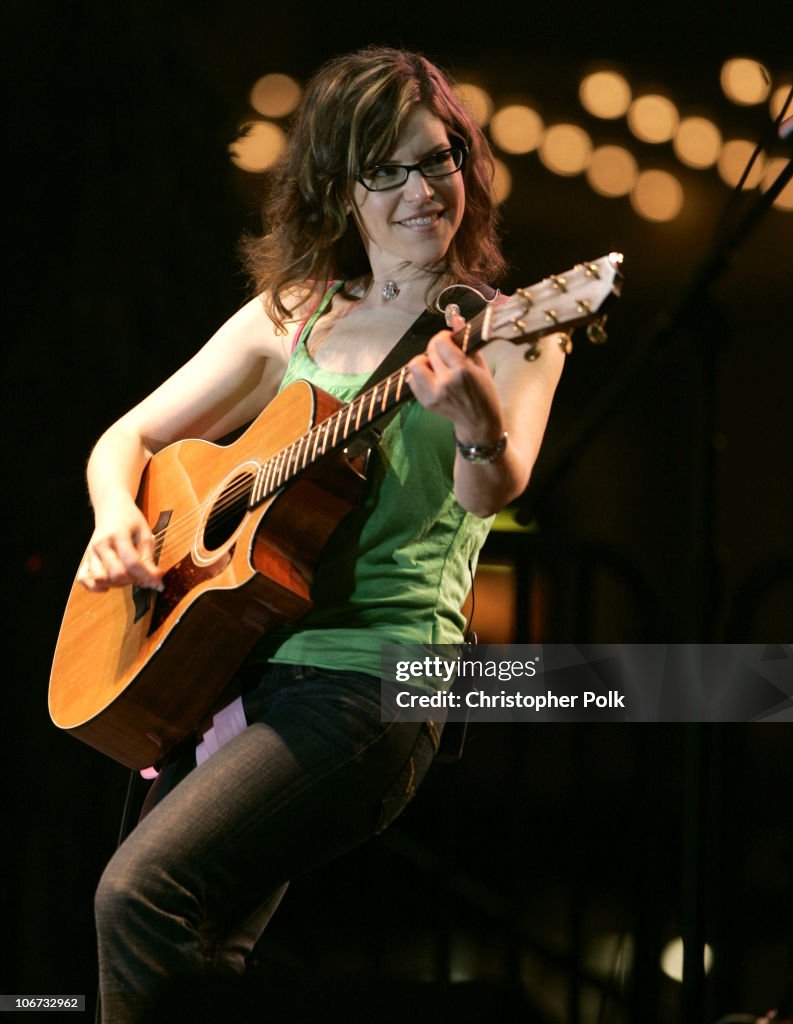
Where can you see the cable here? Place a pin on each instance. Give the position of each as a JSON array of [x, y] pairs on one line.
[[122, 835], [724, 227], [125, 814], [470, 634]]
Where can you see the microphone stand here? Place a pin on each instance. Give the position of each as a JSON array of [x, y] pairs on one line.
[[727, 244]]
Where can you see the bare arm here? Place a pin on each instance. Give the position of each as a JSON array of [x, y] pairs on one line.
[[515, 397], [223, 386]]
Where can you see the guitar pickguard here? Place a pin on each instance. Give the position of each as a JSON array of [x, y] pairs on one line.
[[179, 581]]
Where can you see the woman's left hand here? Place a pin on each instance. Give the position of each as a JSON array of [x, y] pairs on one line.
[[459, 387], [514, 399]]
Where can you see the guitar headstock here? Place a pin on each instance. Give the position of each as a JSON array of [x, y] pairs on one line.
[[557, 304]]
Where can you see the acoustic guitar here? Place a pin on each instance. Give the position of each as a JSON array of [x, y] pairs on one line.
[[238, 529]]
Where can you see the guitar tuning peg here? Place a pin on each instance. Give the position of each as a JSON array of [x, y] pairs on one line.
[[532, 352], [596, 331], [566, 343]]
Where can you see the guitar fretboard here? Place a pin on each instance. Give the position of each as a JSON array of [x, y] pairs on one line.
[[331, 435]]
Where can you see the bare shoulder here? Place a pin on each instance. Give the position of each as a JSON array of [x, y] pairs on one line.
[[251, 334], [252, 330]]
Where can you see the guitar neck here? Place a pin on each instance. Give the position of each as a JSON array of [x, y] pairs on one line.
[[331, 435]]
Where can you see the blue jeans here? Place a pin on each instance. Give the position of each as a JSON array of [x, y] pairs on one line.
[[192, 888]]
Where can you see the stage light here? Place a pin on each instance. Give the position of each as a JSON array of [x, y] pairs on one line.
[[697, 142], [774, 167], [258, 147], [657, 196], [745, 81], [275, 95], [516, 128], [566, 149], [672, 959], [735, 155], [476, 101], [605, 94], [653, 118], [502, 180], [612, 171]]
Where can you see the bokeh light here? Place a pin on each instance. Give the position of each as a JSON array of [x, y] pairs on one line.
[[773, 168], [502, 180], [672, 959], [697, 142], [258, 147], [477, 101], [778, 99], [605, 94], [566, 149], [516, 128], [612, 171], [657, 195], [275, 95], [735, 155], [653, 118], [745, 81]]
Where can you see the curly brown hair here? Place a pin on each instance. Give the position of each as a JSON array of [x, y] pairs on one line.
[[350, 117]]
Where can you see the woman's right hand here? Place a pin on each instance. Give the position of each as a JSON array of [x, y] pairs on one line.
[[121, 549]]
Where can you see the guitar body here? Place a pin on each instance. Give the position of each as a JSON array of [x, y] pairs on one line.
[[136, 671]]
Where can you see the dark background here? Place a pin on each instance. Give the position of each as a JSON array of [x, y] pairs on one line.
[[661, 509]]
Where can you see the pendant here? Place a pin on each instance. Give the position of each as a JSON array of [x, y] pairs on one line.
[[390, 290]]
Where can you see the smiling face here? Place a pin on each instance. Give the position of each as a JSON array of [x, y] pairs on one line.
[[416, 222]]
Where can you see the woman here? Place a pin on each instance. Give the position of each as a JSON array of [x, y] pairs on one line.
[[384, 190]]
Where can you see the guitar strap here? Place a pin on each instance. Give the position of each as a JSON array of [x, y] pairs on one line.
[[413, 342], [415, 339]]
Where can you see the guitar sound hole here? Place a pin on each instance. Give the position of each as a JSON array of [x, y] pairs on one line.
[[228, 511]]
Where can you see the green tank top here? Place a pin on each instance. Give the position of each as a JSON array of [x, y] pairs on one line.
[[397, 568]]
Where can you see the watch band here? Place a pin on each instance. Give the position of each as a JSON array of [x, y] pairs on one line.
[[482, 453]]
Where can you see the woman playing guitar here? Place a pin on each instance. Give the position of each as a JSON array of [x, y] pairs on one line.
[[382, 201]]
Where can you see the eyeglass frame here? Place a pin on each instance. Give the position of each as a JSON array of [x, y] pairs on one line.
[[460, 148]]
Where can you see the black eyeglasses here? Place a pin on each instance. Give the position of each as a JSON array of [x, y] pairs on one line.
[[382, 177]]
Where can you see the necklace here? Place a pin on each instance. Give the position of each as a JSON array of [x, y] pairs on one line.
[[390, 290]]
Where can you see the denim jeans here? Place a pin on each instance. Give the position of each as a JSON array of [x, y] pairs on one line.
[[192, 888]]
